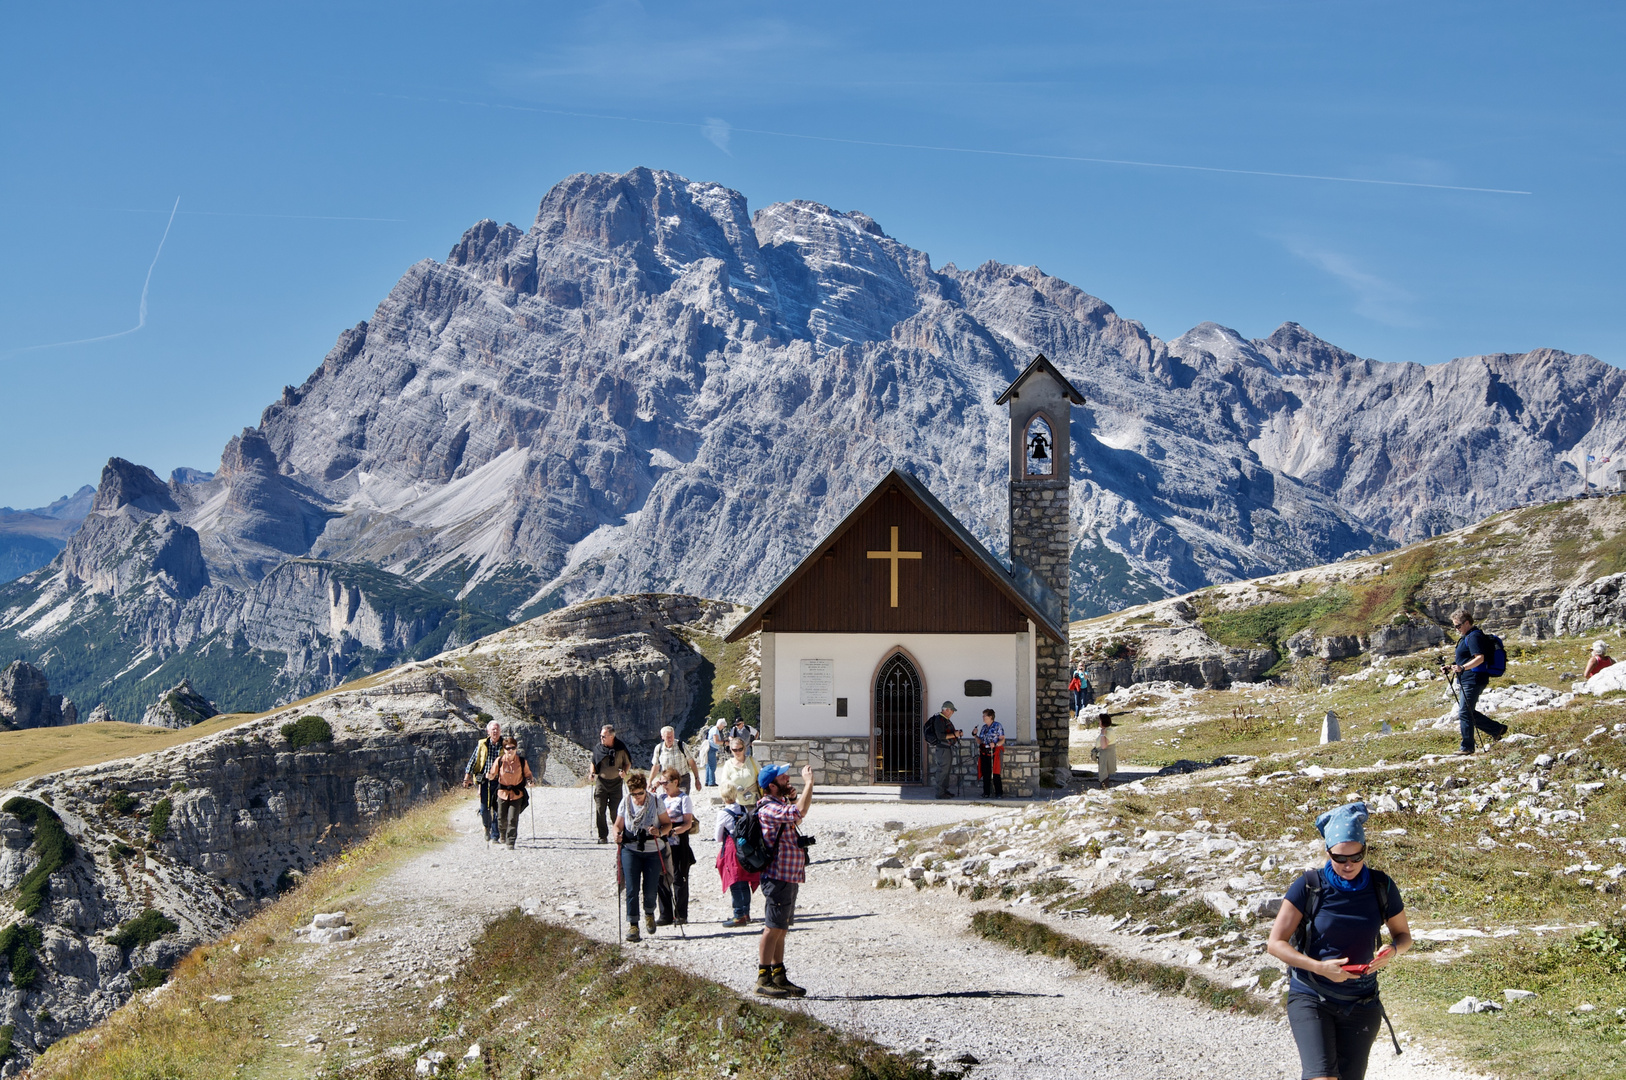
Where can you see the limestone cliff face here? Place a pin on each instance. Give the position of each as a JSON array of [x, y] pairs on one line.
[[653, 388], [244, 811], [206, 830], [26, 700]]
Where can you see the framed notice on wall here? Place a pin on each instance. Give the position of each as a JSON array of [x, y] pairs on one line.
[[818, 682]]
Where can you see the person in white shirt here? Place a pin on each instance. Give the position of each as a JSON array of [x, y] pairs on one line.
[[671, 754], [679, 807]]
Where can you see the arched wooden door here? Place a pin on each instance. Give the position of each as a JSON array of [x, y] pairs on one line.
[[899, 715]]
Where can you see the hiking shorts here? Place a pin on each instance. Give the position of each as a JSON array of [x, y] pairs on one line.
[[779, 903], [1334, 1039]]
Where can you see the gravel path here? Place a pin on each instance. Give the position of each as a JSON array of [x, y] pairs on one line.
[[896, 965]]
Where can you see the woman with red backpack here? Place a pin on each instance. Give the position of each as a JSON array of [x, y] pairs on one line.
[[512, 773]]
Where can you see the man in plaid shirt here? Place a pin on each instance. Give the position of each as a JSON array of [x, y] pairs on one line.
[[782, 879]]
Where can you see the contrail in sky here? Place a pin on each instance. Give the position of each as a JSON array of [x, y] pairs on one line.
[[141, 319], [973, 150], [244, 213]]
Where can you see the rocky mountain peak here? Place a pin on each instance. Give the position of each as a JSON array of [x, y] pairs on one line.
[[125, 483]]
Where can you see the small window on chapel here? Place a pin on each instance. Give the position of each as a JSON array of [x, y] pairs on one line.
[[1041, 448]]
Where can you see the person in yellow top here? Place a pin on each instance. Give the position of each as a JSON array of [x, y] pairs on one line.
[[740, 770]]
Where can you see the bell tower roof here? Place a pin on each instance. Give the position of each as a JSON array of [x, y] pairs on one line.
[[1041, 364]]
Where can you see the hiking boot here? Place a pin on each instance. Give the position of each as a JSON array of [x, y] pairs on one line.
[[632, 932], [739, 921], [681, 922], [766, 985], [649, 922], [780, 980], [604, 839], [944, 795], [510, 845], [663, 921]]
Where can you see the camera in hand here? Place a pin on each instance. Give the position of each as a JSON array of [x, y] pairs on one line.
[[640, 837]]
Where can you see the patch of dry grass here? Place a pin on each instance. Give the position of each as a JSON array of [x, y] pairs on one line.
[[544, 1000]]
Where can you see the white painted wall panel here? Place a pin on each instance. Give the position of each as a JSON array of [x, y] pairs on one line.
[[947, 661]]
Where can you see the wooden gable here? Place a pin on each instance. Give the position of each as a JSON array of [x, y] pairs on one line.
[[947, 583]]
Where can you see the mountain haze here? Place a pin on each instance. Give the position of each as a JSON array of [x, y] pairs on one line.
[[652, 388]]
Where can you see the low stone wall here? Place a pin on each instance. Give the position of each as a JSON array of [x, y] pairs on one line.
[[844, 761]]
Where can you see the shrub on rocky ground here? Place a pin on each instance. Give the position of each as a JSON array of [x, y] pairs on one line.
[[307, 731]]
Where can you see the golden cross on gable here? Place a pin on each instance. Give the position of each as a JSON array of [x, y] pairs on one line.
[[894, 555]]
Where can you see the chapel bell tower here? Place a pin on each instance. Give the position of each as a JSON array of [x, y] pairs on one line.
[[1040, 403]]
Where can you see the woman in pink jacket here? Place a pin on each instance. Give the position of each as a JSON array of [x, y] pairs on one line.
[[736, 880]]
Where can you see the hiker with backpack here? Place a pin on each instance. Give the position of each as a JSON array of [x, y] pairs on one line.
[[510, 774], [1328, 934], [941, 738], [674, 756], [1075, 690], [611, 763], [738, 882], [673, 897], [640, 828], [1480, 658], [486, 751], [776, 819]]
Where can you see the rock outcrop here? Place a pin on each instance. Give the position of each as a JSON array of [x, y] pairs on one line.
[[1582, 609], [202, 832], [26, 700], [179, 707]]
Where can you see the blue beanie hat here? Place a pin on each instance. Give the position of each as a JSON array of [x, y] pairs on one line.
[[1343, 825]]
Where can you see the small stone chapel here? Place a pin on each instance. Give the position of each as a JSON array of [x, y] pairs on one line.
[[900, 608]]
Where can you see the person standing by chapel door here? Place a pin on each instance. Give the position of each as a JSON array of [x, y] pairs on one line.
[[941, 735]]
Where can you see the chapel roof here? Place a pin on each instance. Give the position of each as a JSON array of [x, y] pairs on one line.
[[1028, 594]]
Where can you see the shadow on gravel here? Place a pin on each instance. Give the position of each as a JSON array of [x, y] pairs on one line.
[[930, 997]]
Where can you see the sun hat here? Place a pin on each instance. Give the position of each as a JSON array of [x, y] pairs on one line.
[[1343, 825], [767, 773]]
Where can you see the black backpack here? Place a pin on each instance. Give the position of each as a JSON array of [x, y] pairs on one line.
[[1312, 904], [750, 846]]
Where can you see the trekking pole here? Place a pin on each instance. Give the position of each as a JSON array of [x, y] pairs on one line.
[[619, 883]]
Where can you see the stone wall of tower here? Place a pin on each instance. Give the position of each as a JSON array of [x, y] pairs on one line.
[[1040, 539]]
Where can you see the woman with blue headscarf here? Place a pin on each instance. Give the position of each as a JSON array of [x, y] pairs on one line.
[[1328, 934]]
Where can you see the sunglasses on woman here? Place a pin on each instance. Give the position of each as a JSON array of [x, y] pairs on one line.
[[1345, 859]]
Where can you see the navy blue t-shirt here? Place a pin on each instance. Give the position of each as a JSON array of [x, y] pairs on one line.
[[1470, 645], [1346, 924]]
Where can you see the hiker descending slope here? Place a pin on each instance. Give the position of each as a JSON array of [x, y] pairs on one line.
[[1477, 656]]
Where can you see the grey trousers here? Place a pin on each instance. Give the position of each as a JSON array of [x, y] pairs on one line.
[[942, 767]]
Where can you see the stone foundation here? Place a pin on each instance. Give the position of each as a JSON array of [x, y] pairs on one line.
[[844, 761]]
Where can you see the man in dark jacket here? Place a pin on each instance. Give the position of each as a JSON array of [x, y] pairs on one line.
[[941, 735], [1473, 656], [611, 764], [485, 752]]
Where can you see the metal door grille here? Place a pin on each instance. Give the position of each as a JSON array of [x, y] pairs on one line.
[[898, 719]]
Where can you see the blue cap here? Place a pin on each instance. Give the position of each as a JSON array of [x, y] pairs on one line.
[[1343, 825], [766, 774]]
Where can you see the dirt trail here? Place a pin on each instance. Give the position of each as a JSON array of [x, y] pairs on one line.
[[896, 965]]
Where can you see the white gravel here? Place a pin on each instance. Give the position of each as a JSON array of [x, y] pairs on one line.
[[896, 965]]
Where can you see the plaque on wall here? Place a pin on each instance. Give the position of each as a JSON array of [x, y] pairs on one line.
[[818, 682], [979, 688]]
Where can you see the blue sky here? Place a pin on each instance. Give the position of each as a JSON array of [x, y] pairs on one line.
[[318, 150]]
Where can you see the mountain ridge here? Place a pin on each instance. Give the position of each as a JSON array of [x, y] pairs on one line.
[[654, 388]]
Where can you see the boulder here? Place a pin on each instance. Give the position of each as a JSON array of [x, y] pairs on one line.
[[1221, 903], [1582, 609], [179, 707], [26, 700]]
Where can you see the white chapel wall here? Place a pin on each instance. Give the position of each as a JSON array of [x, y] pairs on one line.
[[947, 661]]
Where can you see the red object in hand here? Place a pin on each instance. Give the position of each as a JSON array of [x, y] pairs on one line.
[[1362, 969]]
